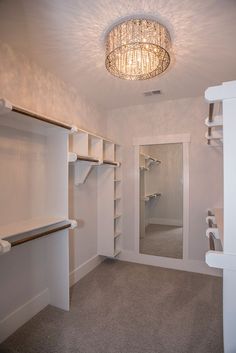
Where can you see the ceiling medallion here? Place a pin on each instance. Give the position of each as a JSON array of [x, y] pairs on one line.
[[137, 49]]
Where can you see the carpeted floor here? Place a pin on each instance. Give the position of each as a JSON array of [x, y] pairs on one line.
[[128, 308], [162, 240]]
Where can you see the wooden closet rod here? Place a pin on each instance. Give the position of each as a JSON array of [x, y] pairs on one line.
[[87, 159], [211, 241], [211, 109], [40, 234], [105, 161], [40, 117]]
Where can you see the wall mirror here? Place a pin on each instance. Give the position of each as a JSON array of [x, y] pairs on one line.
[[161, 200]]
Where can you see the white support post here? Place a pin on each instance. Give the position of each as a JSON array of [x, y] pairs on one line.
[[229, 311]]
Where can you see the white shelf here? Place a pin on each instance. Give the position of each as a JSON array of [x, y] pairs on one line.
[[218, 121], [17, 228]]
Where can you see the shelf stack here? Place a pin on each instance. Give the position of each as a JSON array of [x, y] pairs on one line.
[[110, 201], [223, 220]]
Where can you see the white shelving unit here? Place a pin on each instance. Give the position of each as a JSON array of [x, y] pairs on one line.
[[87, 151], [110, 201], [34, 220], [222, 221]]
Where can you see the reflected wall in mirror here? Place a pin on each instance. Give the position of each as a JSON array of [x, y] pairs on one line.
[[161, 200]]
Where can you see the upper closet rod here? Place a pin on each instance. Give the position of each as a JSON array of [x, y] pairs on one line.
[[6, 107], [41, 118], [211, 109]]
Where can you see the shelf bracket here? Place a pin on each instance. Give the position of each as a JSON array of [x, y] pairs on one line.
[[5, 246]]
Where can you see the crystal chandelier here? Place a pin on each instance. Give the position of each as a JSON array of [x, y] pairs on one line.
[[137, 49]]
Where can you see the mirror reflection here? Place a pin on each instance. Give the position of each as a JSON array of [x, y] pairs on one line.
[[161, 200]]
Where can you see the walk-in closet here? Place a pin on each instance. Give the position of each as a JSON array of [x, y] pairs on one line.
[[117, 185]]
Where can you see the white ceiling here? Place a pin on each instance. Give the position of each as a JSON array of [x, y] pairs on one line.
[[67, 38]]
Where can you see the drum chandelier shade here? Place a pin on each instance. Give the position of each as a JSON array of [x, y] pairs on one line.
[[137, 49]]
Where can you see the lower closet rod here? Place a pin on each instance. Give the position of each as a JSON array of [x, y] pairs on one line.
[[211, 241], [40, 234], [105, 161], [87, 159]]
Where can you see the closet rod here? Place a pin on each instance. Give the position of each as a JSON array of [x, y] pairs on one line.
[[155, 160], [105, 161], [211, 109], [87, 159], [41, 118], [41, 234], [211, 241]]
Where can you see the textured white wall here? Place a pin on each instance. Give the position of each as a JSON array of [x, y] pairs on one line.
[[28, 85], [172, 117], [166, 178]]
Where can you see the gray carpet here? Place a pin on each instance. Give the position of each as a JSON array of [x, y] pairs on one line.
[[128, 308], [162, 240]]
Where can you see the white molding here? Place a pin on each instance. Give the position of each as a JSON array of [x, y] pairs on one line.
[[85, 268], [25, 312], [196, 266], [22, 314], [185, 199], [161, 139], [166, 221], [136, 198]]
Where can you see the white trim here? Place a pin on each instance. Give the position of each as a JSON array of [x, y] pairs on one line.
[[175, 264], [178, 138], [161, 139], [166, 221], [136, 198], [23, 313], [85, 268], [185, 199]]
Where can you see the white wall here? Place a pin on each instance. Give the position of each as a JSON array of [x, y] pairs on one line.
[[166, 178], [171, 117]]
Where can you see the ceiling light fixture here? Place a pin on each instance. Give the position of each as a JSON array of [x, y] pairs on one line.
[[137, 49]]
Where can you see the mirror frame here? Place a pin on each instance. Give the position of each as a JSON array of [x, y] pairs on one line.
[[184, 139]]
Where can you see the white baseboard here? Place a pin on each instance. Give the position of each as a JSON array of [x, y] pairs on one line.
[[166, 221], [22, 314], [175, 264], [85, 268], [32, 307]]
